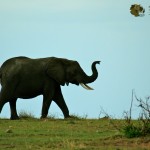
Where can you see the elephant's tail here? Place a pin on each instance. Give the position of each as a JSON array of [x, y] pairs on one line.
[[0, 75]]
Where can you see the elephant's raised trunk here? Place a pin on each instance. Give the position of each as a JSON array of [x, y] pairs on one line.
[[92, 78]]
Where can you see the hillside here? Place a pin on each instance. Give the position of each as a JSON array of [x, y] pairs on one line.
[[66, 134]]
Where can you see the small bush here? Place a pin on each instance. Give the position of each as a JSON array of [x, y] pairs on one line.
[[143, 128], [77, 117], [131, 131], [26, 115], [52, 116]]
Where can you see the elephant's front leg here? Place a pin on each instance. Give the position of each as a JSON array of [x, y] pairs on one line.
[[47, 99], [48, 94], [59, 100], [13, 110]]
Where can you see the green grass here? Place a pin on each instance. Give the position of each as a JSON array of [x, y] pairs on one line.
[[68, 134]]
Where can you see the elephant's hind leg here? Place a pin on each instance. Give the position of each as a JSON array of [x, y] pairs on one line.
[[59, 100], [2, 102], [13, 110], [3, 98]]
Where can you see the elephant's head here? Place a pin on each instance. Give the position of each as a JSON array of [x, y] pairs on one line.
[[69, 71]]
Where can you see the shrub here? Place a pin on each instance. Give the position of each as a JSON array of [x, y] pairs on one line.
[[26, 115], [143, 128], [131, 131]]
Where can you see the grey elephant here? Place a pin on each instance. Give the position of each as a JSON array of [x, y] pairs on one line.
[[23, 77]]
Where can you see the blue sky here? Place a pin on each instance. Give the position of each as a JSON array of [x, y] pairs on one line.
[[85, 31]]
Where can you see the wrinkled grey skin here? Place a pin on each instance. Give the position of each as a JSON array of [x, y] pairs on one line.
[[23, 77]]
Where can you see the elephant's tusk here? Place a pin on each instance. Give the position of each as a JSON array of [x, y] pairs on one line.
[[86, 86]]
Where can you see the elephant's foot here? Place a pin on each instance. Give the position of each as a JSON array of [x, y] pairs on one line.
[[14, 118], [68, 116], [43, 117]]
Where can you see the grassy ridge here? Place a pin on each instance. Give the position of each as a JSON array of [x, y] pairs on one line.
[[66, 134]]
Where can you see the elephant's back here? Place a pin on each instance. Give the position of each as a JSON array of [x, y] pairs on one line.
[[13, 61], [11, 67]]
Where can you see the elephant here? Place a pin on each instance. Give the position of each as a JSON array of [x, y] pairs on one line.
[[24, 77]]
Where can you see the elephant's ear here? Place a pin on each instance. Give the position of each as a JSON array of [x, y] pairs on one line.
[[55, 70]]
